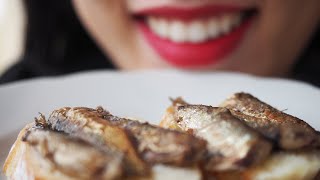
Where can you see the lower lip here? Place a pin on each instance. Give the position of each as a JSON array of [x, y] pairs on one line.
[[189, 55]]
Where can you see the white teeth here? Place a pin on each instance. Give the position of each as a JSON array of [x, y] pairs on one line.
[[159, 26], [177, 31], [213, 28], [152, 22], [196, 31]]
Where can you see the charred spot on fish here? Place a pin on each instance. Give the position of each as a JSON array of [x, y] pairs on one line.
[[41, 122], [179, 119], [102, 111]]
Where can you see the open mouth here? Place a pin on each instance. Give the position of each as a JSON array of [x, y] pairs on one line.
[[194, 37]]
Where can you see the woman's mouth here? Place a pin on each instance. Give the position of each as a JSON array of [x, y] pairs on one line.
[[188, 38]]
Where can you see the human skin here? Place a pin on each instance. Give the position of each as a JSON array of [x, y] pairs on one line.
[[278, 33]]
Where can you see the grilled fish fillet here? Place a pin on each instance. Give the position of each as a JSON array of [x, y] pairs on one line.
[[296, 162], [88, 125], [45, 154], [158, 145], [288, 131], [40, 152], [153, 144], [232, 144]]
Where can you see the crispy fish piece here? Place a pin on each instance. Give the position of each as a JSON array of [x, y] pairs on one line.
[[287, 131], [169, 119], [88, 125], [232, 145], [159, 145], [71, 156], [153, 144]]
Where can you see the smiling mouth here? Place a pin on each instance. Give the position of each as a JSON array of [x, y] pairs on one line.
[[194, 37]]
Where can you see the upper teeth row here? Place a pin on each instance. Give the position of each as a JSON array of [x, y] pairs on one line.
[[196, 31]]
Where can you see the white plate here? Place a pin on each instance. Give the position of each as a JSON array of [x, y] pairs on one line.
[[144, 95]]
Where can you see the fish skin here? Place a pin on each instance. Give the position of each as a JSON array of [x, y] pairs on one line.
[[71, 155], [287, 131], [151, 144], [88, 125], [242, 148], [159, 145]]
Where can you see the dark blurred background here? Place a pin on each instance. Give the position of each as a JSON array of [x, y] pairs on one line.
[[54, 43], [45, 38]]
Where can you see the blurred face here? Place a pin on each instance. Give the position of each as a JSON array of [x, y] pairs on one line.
[[262, 37]]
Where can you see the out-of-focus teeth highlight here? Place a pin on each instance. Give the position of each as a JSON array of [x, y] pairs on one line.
[[195, 31]]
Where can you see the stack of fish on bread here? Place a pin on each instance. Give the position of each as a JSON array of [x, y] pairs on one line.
[[243, 138]]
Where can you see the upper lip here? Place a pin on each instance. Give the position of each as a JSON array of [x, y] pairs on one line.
[[190, 13]]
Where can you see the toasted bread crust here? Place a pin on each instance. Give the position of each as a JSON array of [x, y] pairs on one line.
[[16, 154]]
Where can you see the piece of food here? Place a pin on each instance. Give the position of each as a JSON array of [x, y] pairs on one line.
[[87, 124], [288, 131], [300, 165], [73, 156], [281, 129], [72, 145], [44, 154], [287, 165], [243, 139], [153, 144], [231, 143], [159, 145], [169, 118]]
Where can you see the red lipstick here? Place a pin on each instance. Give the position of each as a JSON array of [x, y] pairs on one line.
[[188, 13], [189, 54]]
